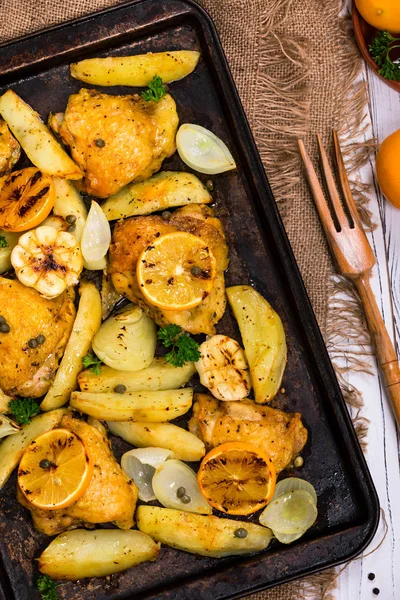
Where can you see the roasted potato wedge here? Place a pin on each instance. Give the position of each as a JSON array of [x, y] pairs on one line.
[[263, 338], [160, 375], [201, 534], [87, 322], [11, 239], [136, 70], [69, 203], [35, 138], [80, 553], [182, 443], [164, 190], [134, 406], [13, 447]]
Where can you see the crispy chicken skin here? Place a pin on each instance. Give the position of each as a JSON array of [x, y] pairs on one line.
[[132, 235], [281, 435], [10, 149], [26, 371], [110, 497], [116, 139]]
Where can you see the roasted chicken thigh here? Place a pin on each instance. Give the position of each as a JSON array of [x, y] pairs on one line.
[[117, 139]]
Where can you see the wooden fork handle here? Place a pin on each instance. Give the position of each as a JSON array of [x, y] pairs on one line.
[[385, 352]]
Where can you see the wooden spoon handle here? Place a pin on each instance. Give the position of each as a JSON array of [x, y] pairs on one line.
[[385, 352]]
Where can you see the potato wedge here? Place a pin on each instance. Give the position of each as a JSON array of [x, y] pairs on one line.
[[11, 239], [87, 322], [201, 534], [80, 553], [164, 190], [134, 406], [263, 339], [13, 447], [160, 375], [69, 202], [182, 443], [35, 138], [136, 70], [4, 400]]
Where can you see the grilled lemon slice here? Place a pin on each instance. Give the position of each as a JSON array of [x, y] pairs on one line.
[[47, 260]]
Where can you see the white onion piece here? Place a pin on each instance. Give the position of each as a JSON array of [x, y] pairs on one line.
[[96, 235], [8, 427], [291, 484], [96, 265], [202, 150], [290, 513], [175, 475], [140, 465], [288, 538]]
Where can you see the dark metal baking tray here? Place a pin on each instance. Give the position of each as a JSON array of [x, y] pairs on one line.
[[36, 67]]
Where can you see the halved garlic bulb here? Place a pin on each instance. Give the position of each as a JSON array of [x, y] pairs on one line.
[[141, 464], [202, 150], [175, 486], [96, 236], [7, 426]]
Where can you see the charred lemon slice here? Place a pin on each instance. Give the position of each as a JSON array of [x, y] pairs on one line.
[[237, 478], [26, 199], [47, 260], [55, 470], [177, 271]]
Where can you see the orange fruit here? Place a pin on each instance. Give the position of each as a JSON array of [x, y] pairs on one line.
[[55, 470], [382, 14], [387, 168], [237, 478], [26, 199], [177, 271]]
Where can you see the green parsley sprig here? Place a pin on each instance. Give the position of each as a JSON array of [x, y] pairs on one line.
[[155, 90], [47, 588], [23, 409], [91, 362], [3, 242], [380, 49], [183, 348]]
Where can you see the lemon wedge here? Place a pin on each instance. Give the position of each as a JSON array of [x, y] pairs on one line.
[[96, 237], [202, 150]]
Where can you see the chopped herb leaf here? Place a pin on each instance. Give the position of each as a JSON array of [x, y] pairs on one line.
[[47, 588], [24, 409], [380, 49], [155, 91], [91, 362], [183, 348], [3, 242]]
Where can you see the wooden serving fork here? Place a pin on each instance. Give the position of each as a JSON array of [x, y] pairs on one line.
[[353, 256]]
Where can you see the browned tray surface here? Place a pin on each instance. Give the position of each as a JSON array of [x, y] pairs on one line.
[[36, 67]]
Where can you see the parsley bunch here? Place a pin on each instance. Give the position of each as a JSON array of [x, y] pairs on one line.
[[23, 409], [47, 588], [155, 90], [90, 361], [183, 348], [380, 49]]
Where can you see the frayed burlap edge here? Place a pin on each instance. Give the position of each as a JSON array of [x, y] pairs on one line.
[[346, 334]]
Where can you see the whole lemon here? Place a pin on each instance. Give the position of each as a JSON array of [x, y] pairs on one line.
[[388, 168], [382, 14]]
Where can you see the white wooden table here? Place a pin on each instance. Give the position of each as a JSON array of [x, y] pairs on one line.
[[383, 439]]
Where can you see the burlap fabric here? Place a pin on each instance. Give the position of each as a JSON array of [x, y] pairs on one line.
[[294, 65]]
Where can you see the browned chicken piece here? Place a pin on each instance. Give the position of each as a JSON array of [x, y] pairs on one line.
[[117, 139], [280, 434], [10, 150], [27, 371], [131, 236], [110, 497]]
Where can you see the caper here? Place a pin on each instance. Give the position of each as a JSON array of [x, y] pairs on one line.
[[209, 185], [45, 464], [2, 320], [33, 343], [100, 143], [186, 499], [71, 228], [70, 219], [180, 492], [196, 271], [166, 215], [298, 462], [40, 339], [241, 532], [4, 328], [120, 389]]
